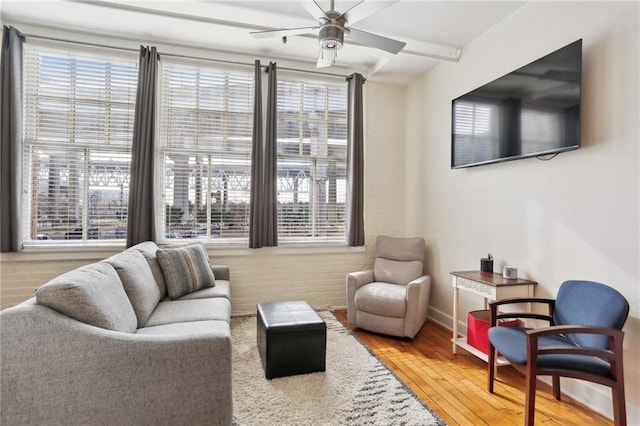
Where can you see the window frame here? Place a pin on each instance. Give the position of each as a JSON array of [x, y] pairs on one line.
[[106, 54], [121, 74], [226, 154], [313, 160]]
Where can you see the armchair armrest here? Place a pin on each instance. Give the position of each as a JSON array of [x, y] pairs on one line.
[[419, 281], [356, 280], [417, 298], [494, 316], [360, 278]]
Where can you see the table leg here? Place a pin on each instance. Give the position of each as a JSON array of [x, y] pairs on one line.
[[456, 294]]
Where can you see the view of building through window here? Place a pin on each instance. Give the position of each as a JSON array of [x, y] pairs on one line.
[[312, 155], [79, 113], [78, 120]]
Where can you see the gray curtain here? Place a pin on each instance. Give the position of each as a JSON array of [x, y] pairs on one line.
[[263, 214], [355, 163], [270, 171], [11, 140], [141, 225], [257, 154]]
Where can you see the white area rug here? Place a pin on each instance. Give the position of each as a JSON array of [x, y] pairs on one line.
[[355, 389]]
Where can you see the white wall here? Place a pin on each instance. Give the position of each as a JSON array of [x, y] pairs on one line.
[[574, 217]]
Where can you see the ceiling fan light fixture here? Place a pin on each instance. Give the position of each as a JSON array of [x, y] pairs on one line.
[[332, 26], [331, 37]]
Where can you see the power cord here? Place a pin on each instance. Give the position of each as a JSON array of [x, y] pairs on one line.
[[543, 158]]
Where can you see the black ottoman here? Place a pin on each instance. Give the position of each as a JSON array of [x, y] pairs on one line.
[[292, 339]]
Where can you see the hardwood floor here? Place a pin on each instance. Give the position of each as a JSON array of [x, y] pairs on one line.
[[455, 386]]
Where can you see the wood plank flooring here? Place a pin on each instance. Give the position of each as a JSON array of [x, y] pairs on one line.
[[455, 386]]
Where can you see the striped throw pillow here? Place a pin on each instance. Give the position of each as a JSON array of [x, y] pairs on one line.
[[186, 269]]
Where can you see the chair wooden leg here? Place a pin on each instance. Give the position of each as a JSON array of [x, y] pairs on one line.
[[617, 391], [491, 365], [556, 387], [530, 399], [619, 409]]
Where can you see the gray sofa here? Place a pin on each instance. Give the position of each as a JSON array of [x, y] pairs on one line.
[[108, 344]]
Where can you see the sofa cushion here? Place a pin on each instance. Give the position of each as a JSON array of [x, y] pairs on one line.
[[186, 269], [92, 294], [221, 289], [186, 329], [148, 250], [138, 282], [175, 311]]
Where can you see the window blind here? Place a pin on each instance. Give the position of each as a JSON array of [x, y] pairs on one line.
[[477, 129], [540, 129], [206, 119], [312, 151], [78, 126]]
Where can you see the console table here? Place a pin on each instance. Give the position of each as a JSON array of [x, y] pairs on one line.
[[491, 287]]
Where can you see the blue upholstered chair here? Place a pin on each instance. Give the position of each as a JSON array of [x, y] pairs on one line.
[[583, 341]]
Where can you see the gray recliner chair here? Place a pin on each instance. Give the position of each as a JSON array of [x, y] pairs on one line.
[[393, 297]]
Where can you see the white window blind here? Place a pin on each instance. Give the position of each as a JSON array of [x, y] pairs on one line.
[[206, 125], [312, 152], [78, 126], [541, 129], [477, 130]]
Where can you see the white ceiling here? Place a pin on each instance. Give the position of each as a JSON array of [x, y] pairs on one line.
[[433, 30]]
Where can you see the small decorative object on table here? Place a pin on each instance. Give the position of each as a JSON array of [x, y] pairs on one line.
[[510, 273], [486, 263]]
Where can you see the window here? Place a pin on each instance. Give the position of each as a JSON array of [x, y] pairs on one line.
[[312, 154], [204, 164], [79, 112], [78, 126]]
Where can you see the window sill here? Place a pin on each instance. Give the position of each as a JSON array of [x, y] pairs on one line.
[[80, 251]]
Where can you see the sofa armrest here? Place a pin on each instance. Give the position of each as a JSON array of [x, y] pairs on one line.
[[56, 370], [221, 272], [356, 280]]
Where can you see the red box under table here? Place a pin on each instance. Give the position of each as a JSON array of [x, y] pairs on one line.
[[478, 329]]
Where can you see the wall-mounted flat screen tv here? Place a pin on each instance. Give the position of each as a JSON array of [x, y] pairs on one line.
[[533, 111]]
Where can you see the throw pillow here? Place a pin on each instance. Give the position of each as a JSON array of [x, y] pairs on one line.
[[92, 294], [186, 269]]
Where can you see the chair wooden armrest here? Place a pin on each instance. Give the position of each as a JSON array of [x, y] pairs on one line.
[[612, 353], [494, 316]]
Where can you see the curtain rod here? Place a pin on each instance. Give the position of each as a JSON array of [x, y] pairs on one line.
[[127, 49]]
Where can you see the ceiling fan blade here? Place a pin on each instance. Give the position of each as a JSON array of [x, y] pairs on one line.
[[314, 9], [284, 32], [374, 40], [364, 9]]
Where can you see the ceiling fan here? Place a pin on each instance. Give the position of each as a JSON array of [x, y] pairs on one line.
[[334, 26]]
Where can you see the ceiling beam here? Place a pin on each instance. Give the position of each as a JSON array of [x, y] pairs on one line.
[[413, 47]]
